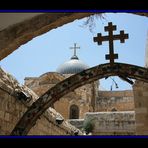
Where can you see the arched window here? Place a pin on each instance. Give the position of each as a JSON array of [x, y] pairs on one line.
[[74, 112]]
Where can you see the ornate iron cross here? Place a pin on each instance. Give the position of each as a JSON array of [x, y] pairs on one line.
[[110, 28]]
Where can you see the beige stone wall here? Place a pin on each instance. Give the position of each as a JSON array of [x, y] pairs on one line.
[[112, 123], [47, 125], [62, 107], [12, 109], [10, 112], [43, 83], [84, 97], [140, 90], [119, 100]]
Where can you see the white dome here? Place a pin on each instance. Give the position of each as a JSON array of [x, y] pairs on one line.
[[73, 66]]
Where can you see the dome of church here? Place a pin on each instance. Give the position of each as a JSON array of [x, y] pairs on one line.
[[73, 66]]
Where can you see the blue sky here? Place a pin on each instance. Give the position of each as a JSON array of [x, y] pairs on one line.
[[46, 52]]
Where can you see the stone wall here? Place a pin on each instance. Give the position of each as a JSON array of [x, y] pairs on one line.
[[115, 101], [140, 90], [12, 108], [77, 123], [112, 123], [107, 123], [84, 97]]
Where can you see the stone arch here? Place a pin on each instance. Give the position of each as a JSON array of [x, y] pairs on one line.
[[64, 87], [19, 33], [74, 112]]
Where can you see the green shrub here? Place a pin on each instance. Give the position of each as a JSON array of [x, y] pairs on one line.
[[88, 126]]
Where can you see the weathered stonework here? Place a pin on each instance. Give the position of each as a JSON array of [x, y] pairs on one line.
[[12, 109], [112, 123], [13, 87], [83, 97], [107, 123], [140, 90], [13, 37], [104, 101], [115, 101], [70, 84], [77, 123]]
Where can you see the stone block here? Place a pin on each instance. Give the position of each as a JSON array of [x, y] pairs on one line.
[[110, 122], [7, 115], [141, 110], [145, 93], [2, 114]]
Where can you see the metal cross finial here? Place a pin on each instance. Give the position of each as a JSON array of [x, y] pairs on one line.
[[75, 47], [110, 28]]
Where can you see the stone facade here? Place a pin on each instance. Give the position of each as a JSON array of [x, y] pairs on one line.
[[12, 108], [83, 97], [88, 98], [115, 101], [112, 123], [140, 90], [92, 103], [77, 123], [107, 123]]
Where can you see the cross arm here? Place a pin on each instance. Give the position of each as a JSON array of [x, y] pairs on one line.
[[121, 36], [99, 39]]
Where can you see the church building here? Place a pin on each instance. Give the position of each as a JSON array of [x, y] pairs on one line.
[[87, 98], [75, 104]]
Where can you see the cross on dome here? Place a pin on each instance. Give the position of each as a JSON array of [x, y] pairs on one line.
[[74, 48]]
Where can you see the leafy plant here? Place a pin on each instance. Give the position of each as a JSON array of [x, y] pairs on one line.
[[88, 126]]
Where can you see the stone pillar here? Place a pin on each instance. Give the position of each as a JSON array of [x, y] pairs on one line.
[[94, 95], [140, 90]]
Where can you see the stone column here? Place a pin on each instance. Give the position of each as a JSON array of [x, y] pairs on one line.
[[140, 90]]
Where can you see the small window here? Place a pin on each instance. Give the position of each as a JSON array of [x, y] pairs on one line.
[[74, 112]]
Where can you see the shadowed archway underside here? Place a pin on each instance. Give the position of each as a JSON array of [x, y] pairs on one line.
[[64, 87], [17, 34]]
